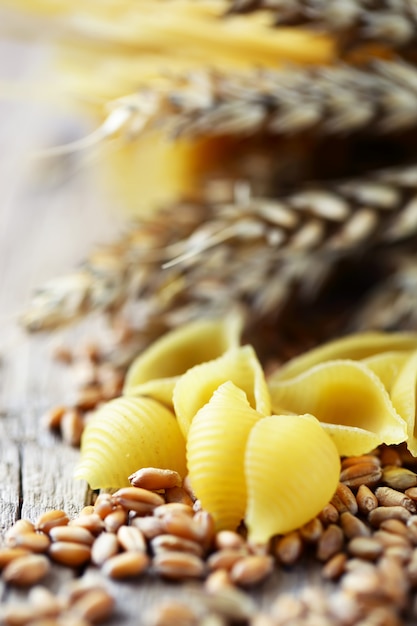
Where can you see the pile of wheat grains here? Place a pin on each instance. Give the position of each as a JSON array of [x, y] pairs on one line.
[[363, 543]]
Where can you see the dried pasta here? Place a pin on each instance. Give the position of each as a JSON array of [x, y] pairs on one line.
[[215, 454], [155, 372], [199, 403], [352, 440], [239, 365], [355, 347], [387, 365], [403, 394], [292, 469], [125, 434], [343, 393]]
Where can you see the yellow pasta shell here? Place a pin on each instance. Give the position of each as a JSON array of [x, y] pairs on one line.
[[355, 347], [125, 435], [387, 365], [175, 352], [160, 389], [342, 392], [292, 470], [403, 395], [239, 365], [215, 454], [351, 440]]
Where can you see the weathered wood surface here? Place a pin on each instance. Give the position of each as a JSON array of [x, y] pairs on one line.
[[49, 218]]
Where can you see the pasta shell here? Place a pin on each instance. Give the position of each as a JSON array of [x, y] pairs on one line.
[[387, 365], [355, 347], [178, 350], [125, 435], [403, 395], [292, 470], [342, 392], [160, 389], [215, 454], [239, 365], [351, 440]]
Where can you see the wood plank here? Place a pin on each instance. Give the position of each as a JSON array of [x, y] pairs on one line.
[[47, 481], [10, 492]]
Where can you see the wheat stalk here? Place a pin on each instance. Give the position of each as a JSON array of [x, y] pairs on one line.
[[393, 22], [380, 98], [254, 253]]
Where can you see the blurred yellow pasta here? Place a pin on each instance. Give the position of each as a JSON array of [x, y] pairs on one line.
[[352, 440], [125, 435], [275, 472], [292, 470], [239, 365], [215, 454], [346, 393], [403, 394], [155, 372], [355, 347], [387, 365]]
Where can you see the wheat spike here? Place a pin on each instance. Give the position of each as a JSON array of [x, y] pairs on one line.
[[341, 99], [392, 22], [254, 253]]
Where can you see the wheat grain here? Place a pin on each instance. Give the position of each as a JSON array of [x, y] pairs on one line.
[[95, 605], [399, 477], [71, 533], [51, 519], [70, 553], [116, 519], [126, 565], [26, 570], [251, 570], [155, 478]]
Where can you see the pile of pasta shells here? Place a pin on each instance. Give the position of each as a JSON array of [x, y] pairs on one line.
[[260, 449]]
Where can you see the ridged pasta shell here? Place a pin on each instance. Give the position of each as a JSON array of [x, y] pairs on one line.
[[355, 347], [239, 365], [175, 352], [292, 470], [403, 395], [125, 435], [215, 454], [342, 392], [387, 365]]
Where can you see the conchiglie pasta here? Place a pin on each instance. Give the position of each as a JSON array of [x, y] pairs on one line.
[[345, 393], [215, 454], [125, 435], [351, 440], [178, 350], [354, 347], [403, 395], [239, 365], [387, 365], [160, 389], [292, 470]]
